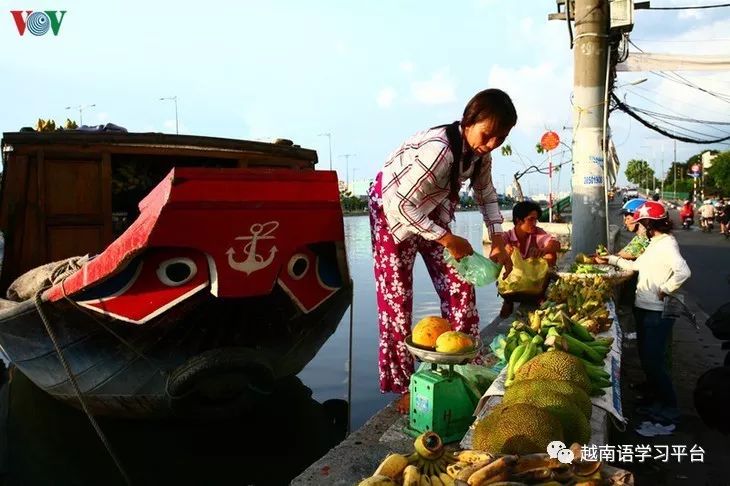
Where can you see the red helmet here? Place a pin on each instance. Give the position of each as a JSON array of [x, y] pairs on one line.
[[650, 210]]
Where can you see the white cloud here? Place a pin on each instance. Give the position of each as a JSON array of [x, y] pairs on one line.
[[407, 66], [540, 93], [385, 97], [439, 89]]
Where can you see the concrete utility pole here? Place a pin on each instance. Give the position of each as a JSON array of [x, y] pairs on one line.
[[589, 79]]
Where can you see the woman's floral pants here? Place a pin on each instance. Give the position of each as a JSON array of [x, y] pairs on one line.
[[394, 289]]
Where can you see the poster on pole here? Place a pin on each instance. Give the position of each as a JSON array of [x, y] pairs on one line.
[[588, 163]]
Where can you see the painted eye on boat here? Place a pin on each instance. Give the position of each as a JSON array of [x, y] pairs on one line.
[[298, 265], [176, 271]]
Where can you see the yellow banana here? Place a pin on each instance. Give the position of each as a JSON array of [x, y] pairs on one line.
[[473, 456], [466, 473], [446, 479], [378, 481], [411, 476], [413, 458], [429, 445], [453, 470], [392, 466], [435, 481], [425, 480]]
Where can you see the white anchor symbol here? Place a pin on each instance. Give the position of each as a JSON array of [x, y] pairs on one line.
[[253, 261]]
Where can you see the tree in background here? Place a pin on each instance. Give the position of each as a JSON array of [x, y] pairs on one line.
[[719, 174], [351, 203], [640, 173]]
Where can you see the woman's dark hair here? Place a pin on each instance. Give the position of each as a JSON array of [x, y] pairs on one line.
[[492, 104], [522, 209], [663, 225]]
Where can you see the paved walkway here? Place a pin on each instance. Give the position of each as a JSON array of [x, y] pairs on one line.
[[694, 352]]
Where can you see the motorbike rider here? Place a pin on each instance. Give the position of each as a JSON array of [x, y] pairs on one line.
[[687, 211], [724, 219], [707, 213]]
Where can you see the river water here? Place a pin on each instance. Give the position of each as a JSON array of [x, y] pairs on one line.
[[327, 373], [45, 442]]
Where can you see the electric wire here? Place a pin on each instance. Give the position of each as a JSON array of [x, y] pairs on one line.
[[629, 111], [697, 7]]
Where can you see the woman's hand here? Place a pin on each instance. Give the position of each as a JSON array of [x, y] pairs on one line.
[[600, 260], [499, 253], [458, 247]]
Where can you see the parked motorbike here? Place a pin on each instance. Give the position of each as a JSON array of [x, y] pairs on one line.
[[712, 392]]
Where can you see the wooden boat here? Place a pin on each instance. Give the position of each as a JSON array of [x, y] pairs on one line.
[[227, 276]]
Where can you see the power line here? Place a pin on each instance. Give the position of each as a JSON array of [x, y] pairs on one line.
[[688, 8], [665, 41], [685, 81], [630, 111]]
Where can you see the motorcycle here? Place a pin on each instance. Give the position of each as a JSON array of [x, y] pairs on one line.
[[708, 225], [687, 222]]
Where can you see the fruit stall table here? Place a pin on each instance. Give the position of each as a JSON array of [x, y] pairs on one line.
[[605, 408]]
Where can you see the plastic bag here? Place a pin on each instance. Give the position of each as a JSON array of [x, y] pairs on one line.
[[476, 268], [528, 276], [497, 346]]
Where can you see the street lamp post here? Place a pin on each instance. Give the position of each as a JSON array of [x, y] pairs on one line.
[[347, 168], [81, 109], [329, 137], [173, 98]]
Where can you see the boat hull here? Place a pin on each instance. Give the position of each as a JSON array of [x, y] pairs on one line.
[[206, 357]]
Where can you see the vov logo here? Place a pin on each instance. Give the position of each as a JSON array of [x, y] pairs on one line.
[[38, 22]]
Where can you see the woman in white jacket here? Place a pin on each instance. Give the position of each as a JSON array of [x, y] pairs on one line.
[[662, 270]]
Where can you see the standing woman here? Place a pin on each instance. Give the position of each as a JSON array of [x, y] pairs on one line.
[[412, 203], [662, 270]]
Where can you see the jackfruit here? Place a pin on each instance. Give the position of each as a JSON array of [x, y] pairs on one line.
[[576, 427], [516, 429], [577, 395], [556, 365]]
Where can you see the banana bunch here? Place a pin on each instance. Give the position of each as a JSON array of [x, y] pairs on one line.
[[477, 468], [523, 353], [426, 466], [582, 289], [45, 125]]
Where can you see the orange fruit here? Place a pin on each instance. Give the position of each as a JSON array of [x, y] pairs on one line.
[[428, 329], [454, 342]]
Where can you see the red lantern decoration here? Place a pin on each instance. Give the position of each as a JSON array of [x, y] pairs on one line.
[[549, 141]]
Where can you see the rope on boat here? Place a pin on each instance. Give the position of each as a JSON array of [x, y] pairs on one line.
[[74, 383], [59, 275]]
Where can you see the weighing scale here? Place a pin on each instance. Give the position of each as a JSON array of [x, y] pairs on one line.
[[441, 400]]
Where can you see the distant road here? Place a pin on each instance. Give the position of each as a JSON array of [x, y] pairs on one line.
[[708, 256]]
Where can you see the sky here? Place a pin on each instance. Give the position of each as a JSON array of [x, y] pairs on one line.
[[369, 72]]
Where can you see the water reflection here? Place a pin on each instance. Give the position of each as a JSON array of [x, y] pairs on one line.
[[327, 373], [51, 443]]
